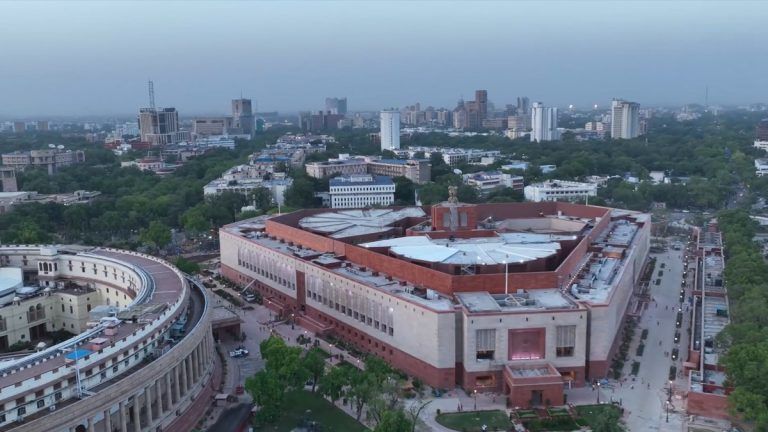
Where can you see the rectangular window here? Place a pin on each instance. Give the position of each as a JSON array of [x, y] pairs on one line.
[[566, 341], [485, 344]]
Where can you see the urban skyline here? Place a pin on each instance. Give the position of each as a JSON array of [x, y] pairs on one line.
[[63, 79]]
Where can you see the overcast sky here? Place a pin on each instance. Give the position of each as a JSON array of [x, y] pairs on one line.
[[69, 58]]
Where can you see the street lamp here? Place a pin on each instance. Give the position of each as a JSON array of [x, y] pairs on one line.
[[598, 392], [669, 392], [330, 351], [475, 395], [668, 411]]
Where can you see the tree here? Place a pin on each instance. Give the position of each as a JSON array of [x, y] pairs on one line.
[[186, 265], [262, 199], [608, 422], [332, 384], [300, 194], [394, 421], [404, 190], [268, 394], [314, 363], [158, 235]]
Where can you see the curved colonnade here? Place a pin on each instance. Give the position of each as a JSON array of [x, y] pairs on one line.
[[128, 377]]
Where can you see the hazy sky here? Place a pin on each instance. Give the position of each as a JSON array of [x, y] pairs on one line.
[[89, 58]]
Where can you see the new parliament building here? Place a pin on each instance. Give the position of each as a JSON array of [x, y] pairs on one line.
[[523, 299]]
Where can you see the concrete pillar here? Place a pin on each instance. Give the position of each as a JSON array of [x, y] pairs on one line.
[[136, 416], [176, 383], [168, 400], [195, 364], [185, 375], [90, 425], [159, 398], [148, 405], [108, 420], [123, 418]]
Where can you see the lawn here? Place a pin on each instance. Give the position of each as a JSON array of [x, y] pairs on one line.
[[300, 405], [472, 421], [590, 413]]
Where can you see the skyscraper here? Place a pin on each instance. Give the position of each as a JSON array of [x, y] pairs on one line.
[[625, 119], [390, 130], [160, 126], [523, 105], [336, 105], [242, 116], [544, 123]]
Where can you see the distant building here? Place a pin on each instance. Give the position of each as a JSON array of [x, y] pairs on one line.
[[559, 190], [761, 130], [8, 177], [336, 105], [42, 125], [152, 164], [625, 120], [544, 123], [160, 127], [415, 170], [51, 159], [206, 126], [232, 181], [19, 127], [242, 116], [361, 190], [761, 167], [8, 200], [221, 141], [470, 115], [451, 156], [487, 182], [389, 131], [516, 165], [523, 106]]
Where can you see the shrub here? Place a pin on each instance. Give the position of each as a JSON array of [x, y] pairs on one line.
[[635, 367], [640, 349]]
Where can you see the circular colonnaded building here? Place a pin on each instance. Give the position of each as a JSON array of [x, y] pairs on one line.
[[142, 357]]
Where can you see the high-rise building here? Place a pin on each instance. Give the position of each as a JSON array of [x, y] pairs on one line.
[[761, 130], [544, 123], [160, 127], [390, 130], [481, 104], [204, 126], [242, 116], [523, 105], [336, 105], [625, 120], [42, 125], [19, 127]]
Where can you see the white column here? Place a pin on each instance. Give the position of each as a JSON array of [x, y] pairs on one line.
[[136, 416], [176, 384], [168, 396], [123, 418], [108, 420], [148, 405]]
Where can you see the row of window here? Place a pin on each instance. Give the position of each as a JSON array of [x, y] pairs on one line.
[[352, 304], [525, 344]]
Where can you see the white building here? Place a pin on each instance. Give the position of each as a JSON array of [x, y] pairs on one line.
[[625, 119], [361, 190], [486, 182], [559, 190], [216, 141], [451, 156], [761, 167], [544, 123], [390, 130], [762, 145]]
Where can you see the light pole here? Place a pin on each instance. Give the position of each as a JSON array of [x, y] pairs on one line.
[[667, 411], [292, 321], [475, 395], [506, 277], [330, 351], [598, 392], [669, 392]]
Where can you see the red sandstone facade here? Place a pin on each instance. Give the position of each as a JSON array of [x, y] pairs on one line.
[[434, 339]]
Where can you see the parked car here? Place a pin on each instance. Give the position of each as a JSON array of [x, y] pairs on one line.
[[239, 352]]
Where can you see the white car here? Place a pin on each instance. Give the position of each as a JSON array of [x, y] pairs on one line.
[[239, 352]]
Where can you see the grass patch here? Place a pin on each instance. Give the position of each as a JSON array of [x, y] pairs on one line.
[[553, 424], [556, 412], [590, 413], [526, 414], [472, 421], [294, 413], [229, 297]]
